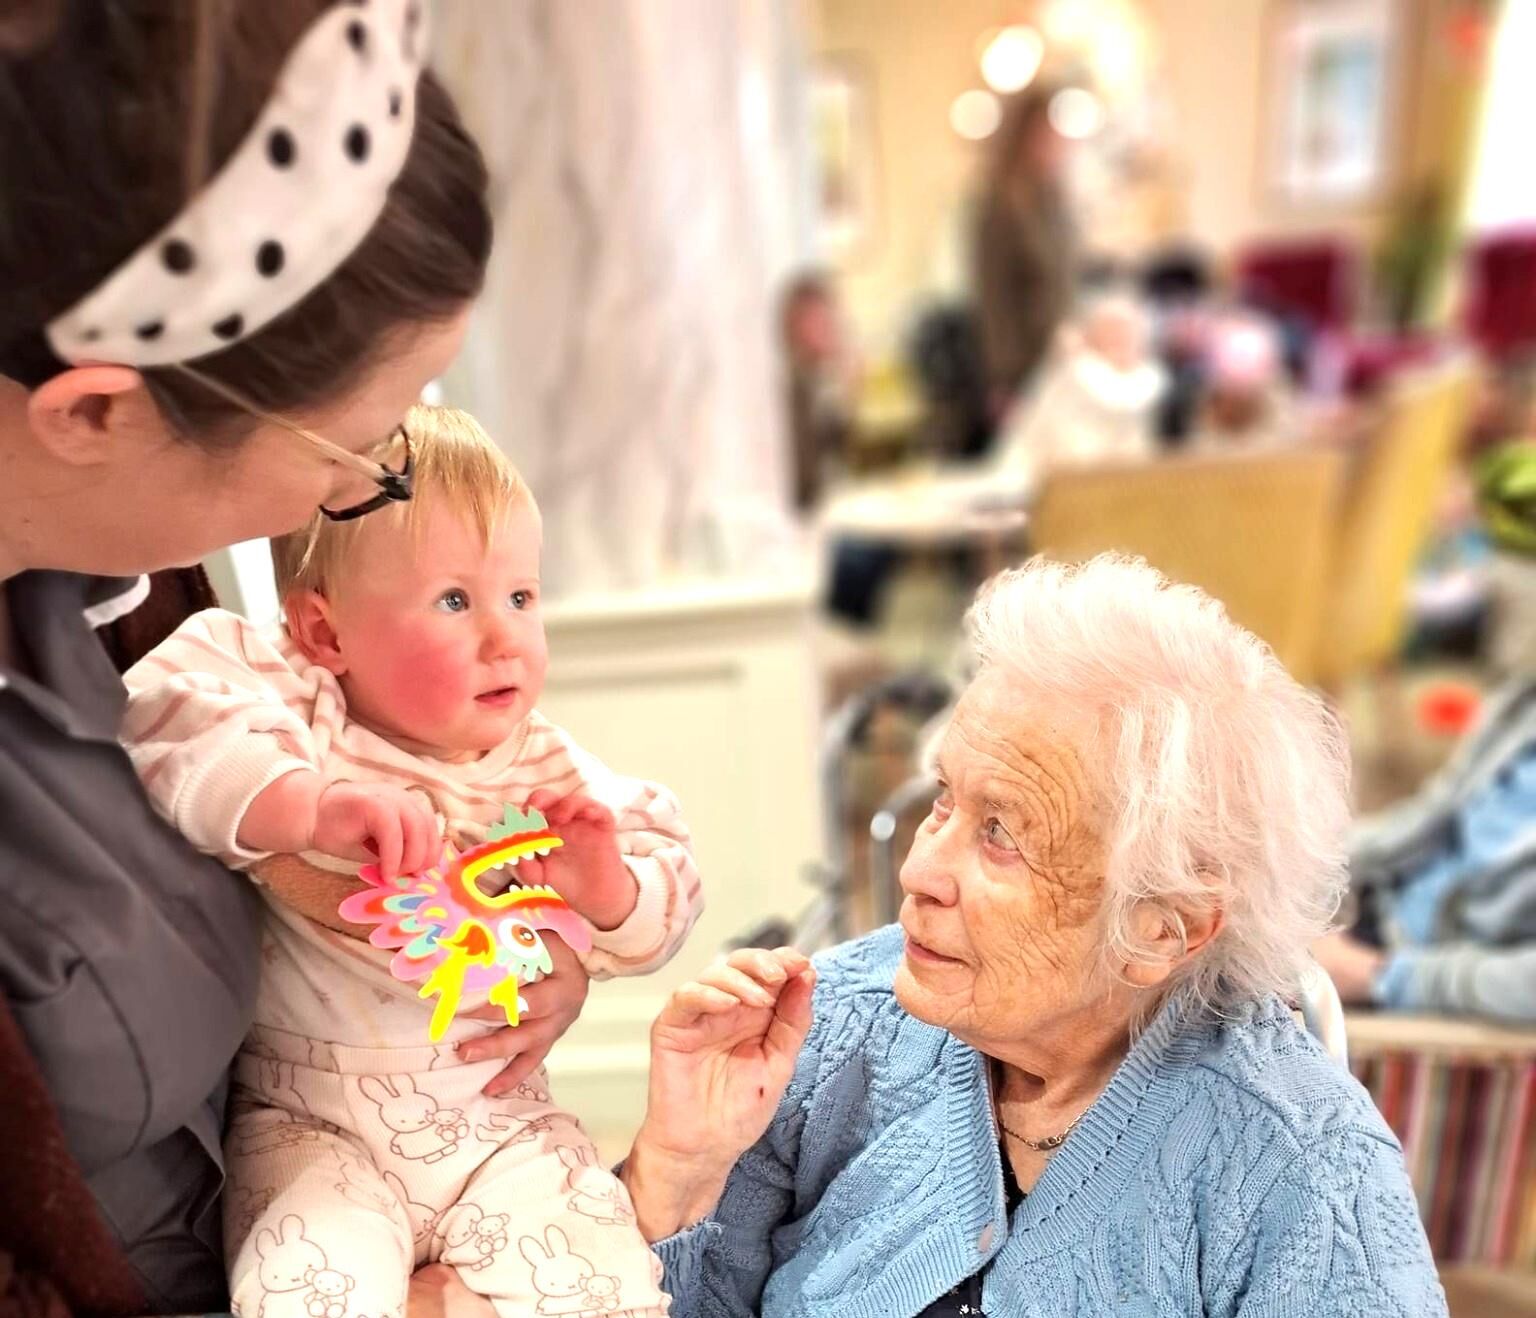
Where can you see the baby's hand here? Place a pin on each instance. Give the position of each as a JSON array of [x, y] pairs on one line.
[[364, 821], [588, 871]]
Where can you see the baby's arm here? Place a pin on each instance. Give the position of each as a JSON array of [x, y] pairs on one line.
[[658, 851], [643, 904], [227, 732], [216, 715]]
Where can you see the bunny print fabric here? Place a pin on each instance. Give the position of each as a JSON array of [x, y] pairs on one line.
[[345, 1177]]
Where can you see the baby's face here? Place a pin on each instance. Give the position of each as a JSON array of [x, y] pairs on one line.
[[443, 637]]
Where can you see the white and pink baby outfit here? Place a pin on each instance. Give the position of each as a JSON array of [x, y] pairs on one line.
[[357, 1150]]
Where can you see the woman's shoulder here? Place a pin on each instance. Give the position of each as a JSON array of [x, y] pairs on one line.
[[1261, 1061], [855, 1015], [861, 965], [1288, 1144], [1267, 1148], [854, 991]]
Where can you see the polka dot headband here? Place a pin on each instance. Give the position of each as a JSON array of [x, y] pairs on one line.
[[292, 203]]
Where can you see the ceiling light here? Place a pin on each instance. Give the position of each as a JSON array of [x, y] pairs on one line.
[[975, 114], [1012, 58], [1076, 113]]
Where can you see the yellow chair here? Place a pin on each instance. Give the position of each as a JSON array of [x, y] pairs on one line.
[[1253, 530], [1387, 517]]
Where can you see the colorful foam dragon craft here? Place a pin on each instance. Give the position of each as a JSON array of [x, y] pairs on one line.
[[458, 939]]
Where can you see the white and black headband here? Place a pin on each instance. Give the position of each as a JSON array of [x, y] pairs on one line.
[[293, 202]]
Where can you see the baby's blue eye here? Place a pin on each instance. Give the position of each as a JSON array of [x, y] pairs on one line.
[[453, 601], [521, 599]]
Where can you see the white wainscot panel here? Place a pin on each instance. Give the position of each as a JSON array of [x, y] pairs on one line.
[[709, 690]]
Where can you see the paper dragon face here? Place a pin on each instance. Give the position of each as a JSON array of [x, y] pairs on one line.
[[450, 933]]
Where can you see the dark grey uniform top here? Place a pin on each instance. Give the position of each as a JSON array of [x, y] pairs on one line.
[[129, 961]]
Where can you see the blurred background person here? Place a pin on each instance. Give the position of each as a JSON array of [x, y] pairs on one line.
[[1094, 399], [1026, 244], [1247, 399], [821, 372]]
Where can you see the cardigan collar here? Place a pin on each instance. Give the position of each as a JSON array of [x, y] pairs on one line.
[[1088, 1174]]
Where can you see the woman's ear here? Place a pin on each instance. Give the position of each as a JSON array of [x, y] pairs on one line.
[[1170, 938], [84, 415], [313, 629]]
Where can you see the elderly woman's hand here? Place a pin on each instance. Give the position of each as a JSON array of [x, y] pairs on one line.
[[722, 1052], [554, 1003]]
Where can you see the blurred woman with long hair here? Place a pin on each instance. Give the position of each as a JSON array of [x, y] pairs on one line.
[[1024, 255]]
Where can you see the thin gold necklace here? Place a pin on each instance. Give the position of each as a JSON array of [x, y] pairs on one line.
[[1051, 1142]]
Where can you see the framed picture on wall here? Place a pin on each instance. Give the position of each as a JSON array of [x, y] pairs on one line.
[[1329, 112], [843, 154]]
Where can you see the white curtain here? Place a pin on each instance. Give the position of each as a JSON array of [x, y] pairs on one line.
[[1503, 188], [643, 160]]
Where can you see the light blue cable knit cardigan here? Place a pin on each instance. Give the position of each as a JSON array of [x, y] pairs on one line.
[[1229, 1169]]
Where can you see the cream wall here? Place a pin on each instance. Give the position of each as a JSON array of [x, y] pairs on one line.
[[917, 56], [709, 689], [1217, 74], [1208, 63], [1214, 69]]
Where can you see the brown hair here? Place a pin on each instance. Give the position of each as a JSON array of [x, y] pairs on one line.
[[111, 117], [1024, 114], [457, 466]]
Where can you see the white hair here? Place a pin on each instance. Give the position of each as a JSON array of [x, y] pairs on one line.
[[1225, 782]]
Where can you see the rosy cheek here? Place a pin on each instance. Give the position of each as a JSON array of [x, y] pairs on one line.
[[536, 658], [418, 671]]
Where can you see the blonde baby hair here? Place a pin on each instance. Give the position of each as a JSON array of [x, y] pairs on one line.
[[457, 465]]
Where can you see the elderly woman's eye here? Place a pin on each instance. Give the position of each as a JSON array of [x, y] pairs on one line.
[[943, 803], [999, 836]]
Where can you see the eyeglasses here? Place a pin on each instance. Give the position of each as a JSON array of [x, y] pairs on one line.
[[394, 486]]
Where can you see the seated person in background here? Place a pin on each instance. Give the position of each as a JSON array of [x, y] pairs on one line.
[[1177, 284], [1094, 401], [1247, 401], [1447, 883], [821, 379]]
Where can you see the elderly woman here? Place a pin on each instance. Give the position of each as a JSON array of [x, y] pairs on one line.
[[1069, 1083]]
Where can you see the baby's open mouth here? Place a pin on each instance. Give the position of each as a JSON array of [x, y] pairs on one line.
[[502, 695]]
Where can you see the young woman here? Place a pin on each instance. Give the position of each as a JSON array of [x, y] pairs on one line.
[[235, 242]]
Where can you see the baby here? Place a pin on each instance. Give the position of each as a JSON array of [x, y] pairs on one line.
[[398, 705]]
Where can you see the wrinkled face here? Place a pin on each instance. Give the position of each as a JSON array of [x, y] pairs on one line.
[[1005, 877], [442, 634]]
